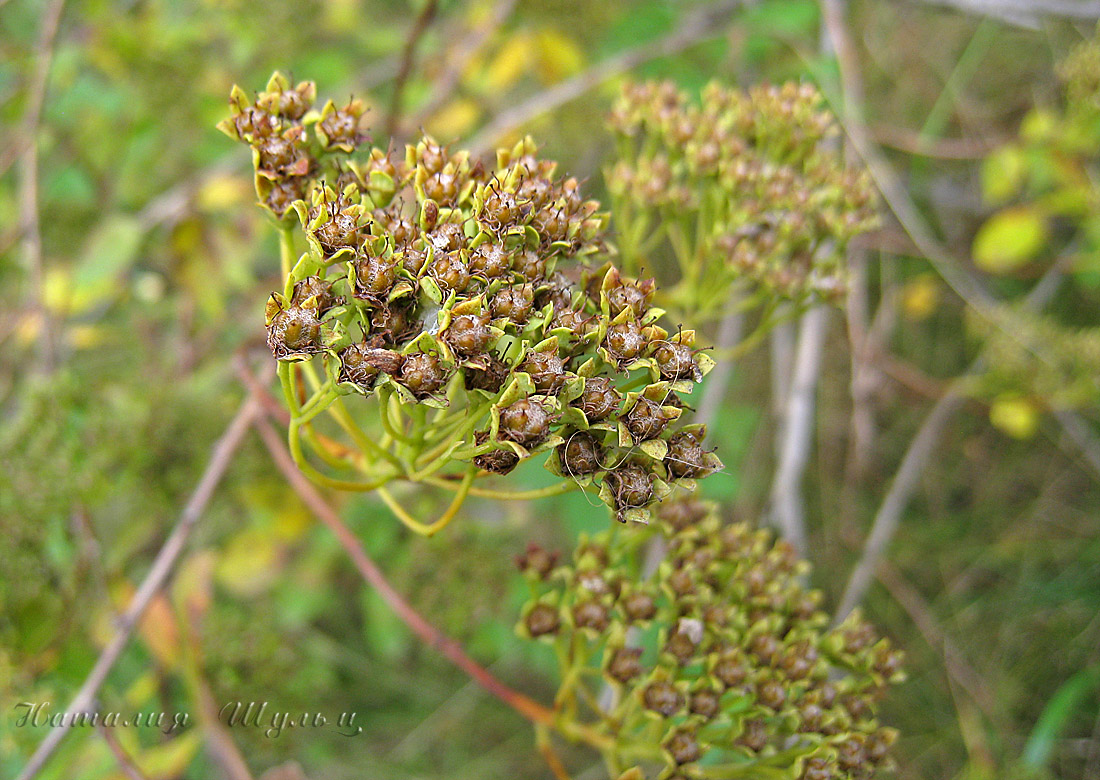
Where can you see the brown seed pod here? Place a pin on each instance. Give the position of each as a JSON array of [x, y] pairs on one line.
[[591, 614], [485, 372], [374, 277], [490, 261], [686, 458], [645, 420], [639, 606], [817, 768], [705, 703], [339, 231], [754, 735], [625, 342], [631, 486], [684, 747], [663, 698], [542, 619], [771, 694], [631, 295], [580, 454], [284, 192], [625, 664], [513, 303], [525, 422], [547, 370], [730, 669], [342, 127], [469, 334], [315, 287], [683, 513], [599, 399], [535, 560], [529, 265], [677, 361], [684, 640], [294, 330], [423, 373], [449, 271]]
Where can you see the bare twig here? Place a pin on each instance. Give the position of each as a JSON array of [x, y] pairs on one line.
[[1024, 13], [700, 25], [888, 518], [1079, 432], [408, 58], [718, 381], [787, 512], [920, 613], [467, 47], [122, 758], [162, 566], [370, 572], [29, 227]]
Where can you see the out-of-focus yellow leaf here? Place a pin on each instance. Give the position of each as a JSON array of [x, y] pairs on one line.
[[1003, 174], [28, 328], [454, 119], [250, 563], [193, 587], [510, 63], [1039, 125], [222, 192], [558, 56], [341, 15], [86, 336], [161, 632], [1009, 239], [56, 288], [920, 297], [1015, 416], [142, 690], [171, 758]]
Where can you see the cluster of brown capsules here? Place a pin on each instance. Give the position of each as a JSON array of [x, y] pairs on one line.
[[720, 657], [436, 280]]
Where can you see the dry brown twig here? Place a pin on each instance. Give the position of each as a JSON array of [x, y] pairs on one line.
[[29, 227], [122, 758], [408, 58]]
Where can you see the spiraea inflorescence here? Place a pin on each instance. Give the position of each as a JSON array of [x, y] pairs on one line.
[[482, 292], [719, 658], [749, 186]]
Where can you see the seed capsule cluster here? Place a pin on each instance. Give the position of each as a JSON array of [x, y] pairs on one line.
[[437, 280], [756, 170], [721, 656]]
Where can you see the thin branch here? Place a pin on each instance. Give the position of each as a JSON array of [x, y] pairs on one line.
[[920, 613], [1082, 435], [408, 59], [29, 226], [163, 564], [370, 572], [718, 381], [888, 518], [122, 758], [1024, 13], [787, 511], [469, 45], [702, 24]]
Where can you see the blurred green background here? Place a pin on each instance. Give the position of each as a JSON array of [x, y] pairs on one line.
[[155, 267]]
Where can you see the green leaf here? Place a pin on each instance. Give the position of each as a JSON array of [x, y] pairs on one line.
[[109, 251], [1009, 239], [1052, 722], [1003, 174]]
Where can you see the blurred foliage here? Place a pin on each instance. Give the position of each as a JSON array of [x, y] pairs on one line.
[[155, 263]]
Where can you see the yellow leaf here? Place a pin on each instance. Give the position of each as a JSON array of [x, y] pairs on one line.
[[249, 564], [510, 63], [160, 631], [1009, 239], [454, 119], [1003, 174], [170, 759], [559, 57], [1014, 416], [920, 296], [86, 336], [222, 192]]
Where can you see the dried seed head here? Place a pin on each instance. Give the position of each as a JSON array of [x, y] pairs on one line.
[[705, 703], [591, 614], [639, 606], [469, 334], [676, 361], [580, 454], [486, 372], [547, 371], [449, 271], [626, 664], [625, 341], [686, 457], [525, 422], [646, 420], [536, 560], [663, 698], [423, 373], [599, 399], [684, 747], [542, 619], [513, 303], [631, 486]]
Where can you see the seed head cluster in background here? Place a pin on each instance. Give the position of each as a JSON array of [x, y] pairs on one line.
[[718, 658], [436, 280], [749, 184]]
